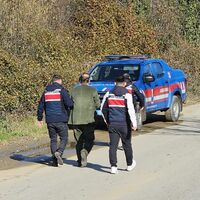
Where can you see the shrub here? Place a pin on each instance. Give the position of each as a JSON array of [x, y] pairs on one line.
[[39, 38]]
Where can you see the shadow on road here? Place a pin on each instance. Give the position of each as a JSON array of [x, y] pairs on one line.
[[93, 166], [46, 160], [41, 159]]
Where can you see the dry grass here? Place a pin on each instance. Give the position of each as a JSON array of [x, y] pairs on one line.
[[13, 126]]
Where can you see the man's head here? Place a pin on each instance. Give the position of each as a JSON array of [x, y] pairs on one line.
[[84, 78], [57, 78], [120, 81], [127, 77]]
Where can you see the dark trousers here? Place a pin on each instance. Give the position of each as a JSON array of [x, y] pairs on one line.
[[84, 135], [58, 129], [115, 133]]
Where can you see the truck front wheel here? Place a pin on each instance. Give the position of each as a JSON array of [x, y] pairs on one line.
[[173, 113]]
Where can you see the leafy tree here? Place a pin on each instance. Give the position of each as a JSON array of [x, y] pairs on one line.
[[190, 19], [109, 27]]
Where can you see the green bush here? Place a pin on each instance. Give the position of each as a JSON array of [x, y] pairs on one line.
[[40, 38]]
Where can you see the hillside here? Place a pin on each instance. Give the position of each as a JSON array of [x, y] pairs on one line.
[[39, 38]]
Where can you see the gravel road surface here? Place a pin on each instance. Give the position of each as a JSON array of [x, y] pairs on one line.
[[168, 168]]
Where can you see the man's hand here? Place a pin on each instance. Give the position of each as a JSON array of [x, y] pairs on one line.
[[134, 128], [40, 124], [142, 108]]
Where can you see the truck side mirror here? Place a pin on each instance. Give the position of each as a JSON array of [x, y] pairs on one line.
[[147, 78]]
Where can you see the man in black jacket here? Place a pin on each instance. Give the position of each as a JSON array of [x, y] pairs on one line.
[[56, 103], [137, 95], [138, 99], [119, 114]]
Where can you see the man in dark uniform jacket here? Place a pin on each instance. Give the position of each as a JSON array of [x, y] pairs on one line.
[[119, 114], [56, 103], [137, 95]]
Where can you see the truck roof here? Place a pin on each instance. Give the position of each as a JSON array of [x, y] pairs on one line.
[[125, 59]]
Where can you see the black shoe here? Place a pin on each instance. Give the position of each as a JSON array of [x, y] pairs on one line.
[[54, 162], [59, 159]]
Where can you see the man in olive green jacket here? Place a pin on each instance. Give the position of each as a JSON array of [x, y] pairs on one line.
[[86, 101]]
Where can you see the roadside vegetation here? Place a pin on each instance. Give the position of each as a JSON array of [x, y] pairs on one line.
[[13, 126], [39, 38]]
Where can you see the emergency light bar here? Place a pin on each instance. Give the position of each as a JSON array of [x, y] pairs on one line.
[[124, 57]]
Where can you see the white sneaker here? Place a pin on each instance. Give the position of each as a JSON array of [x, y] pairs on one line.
[[131, 167], [114, 170]]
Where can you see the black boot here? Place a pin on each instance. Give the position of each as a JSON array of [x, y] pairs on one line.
[[54, 162]]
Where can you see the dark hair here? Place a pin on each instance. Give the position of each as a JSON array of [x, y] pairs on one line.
[[56, 77], [84, 77], [127, 76], [120, 79]]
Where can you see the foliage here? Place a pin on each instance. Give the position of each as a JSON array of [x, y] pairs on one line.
[[190, 15], [15, 126], [39, 38], [175, 17], [110, 28], [187, 58]]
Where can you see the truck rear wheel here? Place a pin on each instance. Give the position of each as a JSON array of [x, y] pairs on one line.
[[173, 113], [140, 116], [139, 120]]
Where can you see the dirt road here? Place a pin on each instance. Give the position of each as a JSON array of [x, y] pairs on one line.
[[168, 168]]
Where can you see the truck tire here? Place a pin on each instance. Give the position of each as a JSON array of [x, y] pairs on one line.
[[144, 115], [139, 120], [173, 113], [140, 115]]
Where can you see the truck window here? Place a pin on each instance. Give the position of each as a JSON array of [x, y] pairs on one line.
[[110, 72], [158, 69], [95, 74], [147, 69]]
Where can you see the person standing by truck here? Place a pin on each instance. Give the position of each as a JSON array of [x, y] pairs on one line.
[[119, 114], [56, 103], [137, 95], [138, 100], [86, 101]]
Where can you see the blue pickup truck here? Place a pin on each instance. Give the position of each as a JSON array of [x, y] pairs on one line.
[[164, 88]]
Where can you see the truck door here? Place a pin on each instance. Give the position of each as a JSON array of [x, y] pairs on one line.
[[149, 89], [161, 86], [157, 91]]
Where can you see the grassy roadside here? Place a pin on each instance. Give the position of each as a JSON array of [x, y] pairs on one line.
[[14, 127]]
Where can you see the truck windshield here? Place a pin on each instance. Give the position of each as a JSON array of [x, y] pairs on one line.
[[109, 73]]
